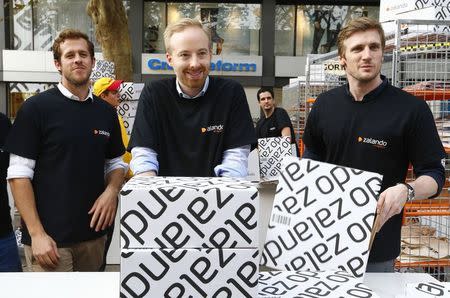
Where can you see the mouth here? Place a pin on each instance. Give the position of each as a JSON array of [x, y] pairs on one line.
[[366, 67], [195, 74]]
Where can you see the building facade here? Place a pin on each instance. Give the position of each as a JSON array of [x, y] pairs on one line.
[[258, 43]]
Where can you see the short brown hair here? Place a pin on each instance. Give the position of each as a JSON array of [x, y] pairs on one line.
[[180, 26], [70, 34], [359, 25]]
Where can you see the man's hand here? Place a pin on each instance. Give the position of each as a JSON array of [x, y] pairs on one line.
[[391, 202], [45, 251], [104, 210]]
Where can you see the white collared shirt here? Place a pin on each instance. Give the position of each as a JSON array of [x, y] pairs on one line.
[[201, 93], [72, 96]]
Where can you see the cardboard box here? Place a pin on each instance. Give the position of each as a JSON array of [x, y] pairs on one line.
[[185, 212], [272, 151], [189, 273], [321, 218], [391, 10], [332, 284], [427, 290]]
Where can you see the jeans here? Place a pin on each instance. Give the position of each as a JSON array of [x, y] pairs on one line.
[[9, 254]]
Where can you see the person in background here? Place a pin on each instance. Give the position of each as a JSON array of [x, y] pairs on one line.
[[192, 124], [370, 125], [108, 90], [276, 122], [66, 166], [9, 254]]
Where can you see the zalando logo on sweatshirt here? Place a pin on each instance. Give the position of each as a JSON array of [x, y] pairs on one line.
[[377, 143], [101, 132], [213, 128]]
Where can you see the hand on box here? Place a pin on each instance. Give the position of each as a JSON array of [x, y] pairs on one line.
[[391, 202], [104, 210], [45, 251]]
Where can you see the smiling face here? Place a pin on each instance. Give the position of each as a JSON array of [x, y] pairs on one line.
[[362, 57], [76, 63], [190, 57]]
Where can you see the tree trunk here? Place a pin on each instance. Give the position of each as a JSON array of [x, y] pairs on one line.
[[111, 32]]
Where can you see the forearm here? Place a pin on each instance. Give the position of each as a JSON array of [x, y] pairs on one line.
[[286, 132], [24, 199], [114, 180], [424, 187]]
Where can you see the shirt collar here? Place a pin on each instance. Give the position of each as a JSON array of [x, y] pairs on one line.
[[372, 94], [201, 93], [70, 95]]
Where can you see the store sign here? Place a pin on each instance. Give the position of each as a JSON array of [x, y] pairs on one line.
[[220, 65]]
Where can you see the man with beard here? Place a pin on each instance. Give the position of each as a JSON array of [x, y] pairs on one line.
[[276, 122], [193, 124], [66, 165], [370, 125]]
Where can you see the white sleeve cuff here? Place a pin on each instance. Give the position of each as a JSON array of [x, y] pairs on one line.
[[20, 167], [143, 160], [115, 163]]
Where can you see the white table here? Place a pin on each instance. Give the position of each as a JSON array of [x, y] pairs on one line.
[[106, 284], [391, 285]]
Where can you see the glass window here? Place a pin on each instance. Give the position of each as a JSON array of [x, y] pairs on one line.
[[37, 23], [284, 30], [19, 92], [154, 26], [318, 25], [234, 27]]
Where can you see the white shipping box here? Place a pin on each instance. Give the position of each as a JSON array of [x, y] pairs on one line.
[[189, 273], [427, 290], [271, 153], [322, 218], [331, 284], [186, 212]]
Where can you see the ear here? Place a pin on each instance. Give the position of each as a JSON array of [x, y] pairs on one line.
[[169, 58], [57, 65], [93, 62], [342, 61]]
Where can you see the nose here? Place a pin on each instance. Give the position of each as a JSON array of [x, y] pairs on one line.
[[194, 62], [366, 53]]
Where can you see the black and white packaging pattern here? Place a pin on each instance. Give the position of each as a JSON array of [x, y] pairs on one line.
[[187, 212], [322, 218], [189, 273], [103, 69], [312, 284], [427, 289], [128, 105], [271, 153]]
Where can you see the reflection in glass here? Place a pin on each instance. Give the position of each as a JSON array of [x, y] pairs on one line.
[[19, 92], [284, 30], [318, 26], [235, 27], [37, 23], [154, 26]]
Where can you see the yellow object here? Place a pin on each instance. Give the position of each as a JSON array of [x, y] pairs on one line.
[[103, 84], [127, 155]]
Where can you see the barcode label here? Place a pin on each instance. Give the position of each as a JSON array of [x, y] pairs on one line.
[[281, 219]]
